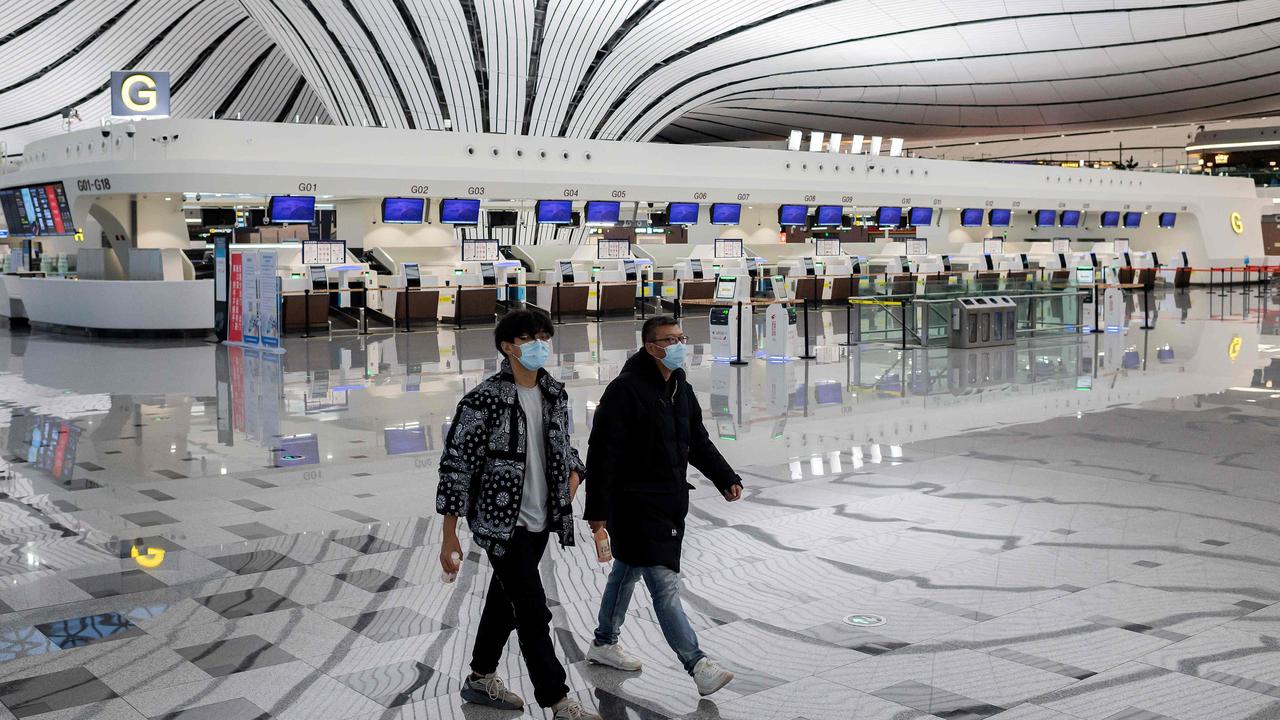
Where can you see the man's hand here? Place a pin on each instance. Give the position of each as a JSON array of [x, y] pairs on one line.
[[733, 494], [451, 546], [595, 525], [574, 481]]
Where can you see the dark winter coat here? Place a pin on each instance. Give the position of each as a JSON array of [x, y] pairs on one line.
[[482, 468], [646, 433]]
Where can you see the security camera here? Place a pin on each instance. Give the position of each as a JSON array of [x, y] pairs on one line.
[[106, 133], [130, 130]]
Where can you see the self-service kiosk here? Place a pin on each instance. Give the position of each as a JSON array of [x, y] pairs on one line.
[[479, 281], [563, 289], [699, 271], [731, 330]]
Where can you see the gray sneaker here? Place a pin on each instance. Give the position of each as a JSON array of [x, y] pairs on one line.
[[490, 691], [570, 709]]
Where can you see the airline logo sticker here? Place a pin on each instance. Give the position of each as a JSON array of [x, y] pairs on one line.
[[1237, 223]]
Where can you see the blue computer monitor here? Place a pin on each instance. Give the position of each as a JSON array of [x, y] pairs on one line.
[[554, 212], [603, 212], [1111, 218], [456, 211], [1046, 218], [1133, 219], [829, 216], [888, 216], [1000, 217], [403, 211], [971, 217], [291, 209], [1070, 218], [920, 216], [793, 215], [682, 213], [726, 213], [1167, 219]]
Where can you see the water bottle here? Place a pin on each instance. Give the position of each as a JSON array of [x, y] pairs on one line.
[[449, 577], [604, 553]]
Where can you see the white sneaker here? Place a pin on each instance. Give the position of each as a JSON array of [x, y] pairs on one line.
[[710, 677], [612, 656]]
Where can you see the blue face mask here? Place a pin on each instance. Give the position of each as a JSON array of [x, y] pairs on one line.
[[534, 354], [674, 357]]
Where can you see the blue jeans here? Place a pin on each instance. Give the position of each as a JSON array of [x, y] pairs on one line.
[[664, 587]]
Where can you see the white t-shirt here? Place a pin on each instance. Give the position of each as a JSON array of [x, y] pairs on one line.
[[533, 506]]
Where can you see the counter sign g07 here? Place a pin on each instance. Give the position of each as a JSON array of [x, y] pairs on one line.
[[139, 94]]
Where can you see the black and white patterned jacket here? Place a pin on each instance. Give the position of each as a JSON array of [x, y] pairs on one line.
[[482, 468]]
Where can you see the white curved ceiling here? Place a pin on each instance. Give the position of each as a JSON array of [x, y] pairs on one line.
[[672, 70]]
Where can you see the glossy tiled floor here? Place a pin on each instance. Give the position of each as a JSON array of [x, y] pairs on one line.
[[1079, 527]]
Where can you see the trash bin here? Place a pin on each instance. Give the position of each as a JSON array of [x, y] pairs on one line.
[[983, 322]]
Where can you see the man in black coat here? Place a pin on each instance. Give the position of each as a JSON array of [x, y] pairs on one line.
[[647, 431]]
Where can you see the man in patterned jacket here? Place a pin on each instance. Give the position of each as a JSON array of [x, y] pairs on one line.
[[509, 469]]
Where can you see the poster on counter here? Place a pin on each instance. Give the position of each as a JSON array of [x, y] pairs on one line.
[[268, 300], [249, 264], [235, 305]]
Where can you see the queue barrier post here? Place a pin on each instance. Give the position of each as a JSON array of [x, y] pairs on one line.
[[738, 360], [1146, 308], [679, 293], [306, 313], [808, 354]]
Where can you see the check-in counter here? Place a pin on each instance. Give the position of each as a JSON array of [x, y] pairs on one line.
[[117, 305]]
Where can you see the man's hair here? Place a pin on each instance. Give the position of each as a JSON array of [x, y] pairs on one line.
[[649, 331], [521, 322]]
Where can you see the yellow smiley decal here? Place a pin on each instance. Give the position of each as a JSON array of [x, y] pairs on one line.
[[1233, 350]]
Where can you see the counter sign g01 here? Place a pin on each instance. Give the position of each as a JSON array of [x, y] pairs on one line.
[[139, 94]]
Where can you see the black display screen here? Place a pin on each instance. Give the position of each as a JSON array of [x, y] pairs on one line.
[[37, 210]]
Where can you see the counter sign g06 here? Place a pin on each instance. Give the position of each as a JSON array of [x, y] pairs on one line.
[[139, 94]]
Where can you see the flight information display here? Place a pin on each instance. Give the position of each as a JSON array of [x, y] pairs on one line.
[[37, 210]]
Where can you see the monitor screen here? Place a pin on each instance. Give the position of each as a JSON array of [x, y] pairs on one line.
[[629, 268], [487, 273], [37, 210], [993, 246], [793, 215], [1061, 245], [1046, 218], [1070, 218], [1167, 219], [826, 247], [1084, 276], [1132, 219], [403, 211], [726, 288], [503, 218], [613, 248], [455, 211], [566, 270], [296, 450], [999, 217], [291, 209], [554, 212], [917, 246], [695, 266], [829, 216], [603, 212], [682, 213], [921, 216], [1120, 245], [726, 213], [728, 247], [888, 216], [971, 217], [479, 250], [324, 252], [1110, 218]]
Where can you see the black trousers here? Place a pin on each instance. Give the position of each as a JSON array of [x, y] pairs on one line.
[[516, 601]]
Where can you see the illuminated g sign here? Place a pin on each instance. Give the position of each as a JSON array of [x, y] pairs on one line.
[[1237, 223], [139, 94]]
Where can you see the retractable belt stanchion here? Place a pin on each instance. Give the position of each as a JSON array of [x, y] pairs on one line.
[[599, 302], [306, 313], [738, 360], [808, 354], [644, 301], [848, 321], [1146, 308], [676, 305], [1096, 314], [555, 302], [408, 309], [903, 318]]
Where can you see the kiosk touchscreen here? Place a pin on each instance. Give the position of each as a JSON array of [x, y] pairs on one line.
[[412, 275], [319, 278], [566, 271], [695, 268], [629, 269], [1085, 276], [728, 248], [487, 274], [726, 288], [807, 264]]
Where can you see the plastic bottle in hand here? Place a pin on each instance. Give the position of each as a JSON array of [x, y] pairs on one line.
[[449, 577], [604, 553]]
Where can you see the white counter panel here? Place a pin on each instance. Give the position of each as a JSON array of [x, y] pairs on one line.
[[119, 304]]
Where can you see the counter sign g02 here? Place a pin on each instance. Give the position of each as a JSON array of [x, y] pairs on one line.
[[139, 94]]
